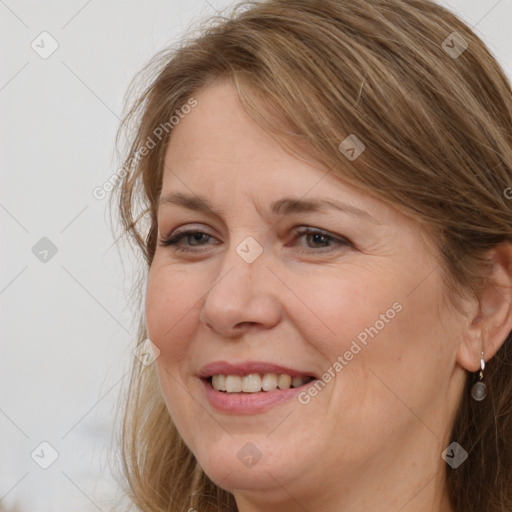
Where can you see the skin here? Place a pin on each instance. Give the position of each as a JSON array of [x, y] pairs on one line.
[[372, 438]]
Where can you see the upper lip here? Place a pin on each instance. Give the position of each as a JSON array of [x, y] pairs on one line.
[[247, 367]]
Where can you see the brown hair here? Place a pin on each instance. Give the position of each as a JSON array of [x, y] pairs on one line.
[[437, 127]]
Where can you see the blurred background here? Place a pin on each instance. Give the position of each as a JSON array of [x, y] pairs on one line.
[[66, 320]]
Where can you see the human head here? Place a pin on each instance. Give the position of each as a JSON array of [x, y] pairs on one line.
[[355, 80]]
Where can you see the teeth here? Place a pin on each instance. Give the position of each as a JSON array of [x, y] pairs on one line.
[[254, 383], [269, 382], [233, 383], [219, 382], [284, 382], [251, 383], [297, 381]]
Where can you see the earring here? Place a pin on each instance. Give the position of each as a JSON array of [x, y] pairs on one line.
[[479, 389]]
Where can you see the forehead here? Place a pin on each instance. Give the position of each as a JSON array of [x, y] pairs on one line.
[[218, 152], [219, 131], [218, 144]]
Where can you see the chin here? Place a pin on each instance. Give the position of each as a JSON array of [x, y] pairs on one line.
[[243, 463]]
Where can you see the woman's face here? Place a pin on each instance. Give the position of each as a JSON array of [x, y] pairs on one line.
[[358, 306]]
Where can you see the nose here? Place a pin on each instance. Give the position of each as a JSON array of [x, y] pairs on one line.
[[242, 297]]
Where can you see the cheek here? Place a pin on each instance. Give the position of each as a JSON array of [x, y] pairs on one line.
[[379, 325], [171, 320], [335, 309], [170, 300]]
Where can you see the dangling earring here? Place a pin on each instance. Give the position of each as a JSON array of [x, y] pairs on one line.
[[479, 389]]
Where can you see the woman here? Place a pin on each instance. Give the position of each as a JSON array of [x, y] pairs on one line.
[[329, 257]]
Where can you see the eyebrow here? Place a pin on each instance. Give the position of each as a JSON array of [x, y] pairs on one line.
[[283, 206]]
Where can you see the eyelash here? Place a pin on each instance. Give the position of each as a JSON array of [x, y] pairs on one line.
[[173, 240]]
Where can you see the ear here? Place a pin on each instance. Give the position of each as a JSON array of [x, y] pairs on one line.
[[491, 319]]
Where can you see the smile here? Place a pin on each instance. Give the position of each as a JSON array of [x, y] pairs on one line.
[[255, 382], [251, 387]]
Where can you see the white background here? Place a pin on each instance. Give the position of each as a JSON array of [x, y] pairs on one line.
[[66, 325]]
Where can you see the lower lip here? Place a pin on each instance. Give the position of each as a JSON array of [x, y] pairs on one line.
[[249, 403]]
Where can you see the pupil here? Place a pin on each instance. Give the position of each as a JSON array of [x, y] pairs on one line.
[[197, 236], [317, 240]]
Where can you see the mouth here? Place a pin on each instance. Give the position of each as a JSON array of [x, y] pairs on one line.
[[257, 382], [251, 387]]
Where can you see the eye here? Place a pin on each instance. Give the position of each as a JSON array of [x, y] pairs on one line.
[[194, 235], [195, 238], [321, 237]]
